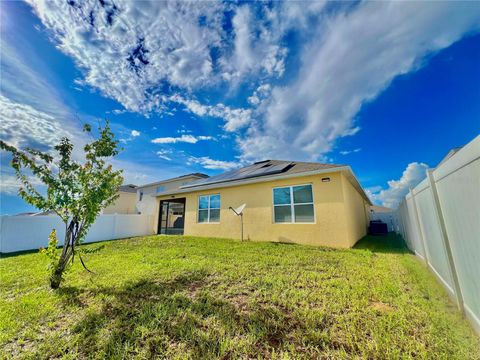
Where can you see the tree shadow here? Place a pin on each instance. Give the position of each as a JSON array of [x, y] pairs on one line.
[[18, 253], [157, 317], [390, 243], [70, 295]]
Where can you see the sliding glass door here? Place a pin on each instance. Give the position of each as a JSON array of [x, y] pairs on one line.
[[172, 217]]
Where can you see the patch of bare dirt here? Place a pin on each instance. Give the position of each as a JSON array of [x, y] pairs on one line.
[[381, 307]]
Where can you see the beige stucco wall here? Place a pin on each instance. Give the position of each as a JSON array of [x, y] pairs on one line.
[[149, 203], [355, 212], [331, 228], [125, 204]]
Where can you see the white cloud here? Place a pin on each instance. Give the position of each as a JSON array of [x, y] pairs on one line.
[[351, 58], [255, 48], [164, 154], [127, 49], [23, 126], [235, 119], [346, 152], [259, 94], [183, 130], [139, 174], [212, 164], [26, 78], [135, 133], [350, 131], [398, 189], [10, 184], [184, 138], [132, 52]]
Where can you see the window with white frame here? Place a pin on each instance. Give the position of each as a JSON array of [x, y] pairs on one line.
[[160, 188], [293, 204], [209, 208]]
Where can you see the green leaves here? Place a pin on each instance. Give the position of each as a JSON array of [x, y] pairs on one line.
[[51, 251], [91, 250], [75, 191], [53, 255]]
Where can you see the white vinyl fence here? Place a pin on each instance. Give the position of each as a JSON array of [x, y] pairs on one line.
[[19, 233], [440, 221]]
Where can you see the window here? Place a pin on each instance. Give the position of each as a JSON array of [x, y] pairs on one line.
[[209, 208], [293, 204], [140, 197], [160, 188]]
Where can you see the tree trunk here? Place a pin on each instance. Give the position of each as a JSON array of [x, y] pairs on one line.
[[56, 277], [68, 252]]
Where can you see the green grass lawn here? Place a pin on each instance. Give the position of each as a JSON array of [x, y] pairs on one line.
[[187, 297]]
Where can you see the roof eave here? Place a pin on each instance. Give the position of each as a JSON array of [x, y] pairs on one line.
[[170, 180], [358, 186], [345, 168]]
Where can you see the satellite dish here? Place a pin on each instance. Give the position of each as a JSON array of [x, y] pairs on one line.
[[239, 212]]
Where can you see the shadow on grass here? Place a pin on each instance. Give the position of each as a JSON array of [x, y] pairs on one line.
[[158, 319], [283, 243], [18, 253], [391, 243]]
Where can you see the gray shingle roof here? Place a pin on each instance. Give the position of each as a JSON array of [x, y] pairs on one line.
[[262, 168], [197, 174], [130, 188]]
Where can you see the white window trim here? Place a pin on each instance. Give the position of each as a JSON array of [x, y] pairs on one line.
[[292, 205], [208, 209]]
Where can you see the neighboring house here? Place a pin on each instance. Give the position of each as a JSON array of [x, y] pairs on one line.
[[380, 209], [146, 202], [385, 214], [452, 152], [286, 201], [126, 201]]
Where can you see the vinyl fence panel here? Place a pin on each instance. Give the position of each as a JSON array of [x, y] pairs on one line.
[[435, 248], [444, 211], [413, 229], [20, 233], [458, 186]]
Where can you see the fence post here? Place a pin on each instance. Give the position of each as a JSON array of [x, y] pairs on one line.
[[446, 241], [417, 218], [402, 221]]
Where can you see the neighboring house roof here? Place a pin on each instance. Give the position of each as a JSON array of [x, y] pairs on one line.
[[380, 209], [130, 188], [268, 170], [452, 152], [26, 214], [45, 213], [198, 175]]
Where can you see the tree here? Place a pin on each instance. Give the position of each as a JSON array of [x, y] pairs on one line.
[[76, 192]]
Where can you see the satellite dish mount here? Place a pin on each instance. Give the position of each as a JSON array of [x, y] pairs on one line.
[[239, 212]]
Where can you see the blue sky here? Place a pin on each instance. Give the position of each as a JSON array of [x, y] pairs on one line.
[[387, 88]]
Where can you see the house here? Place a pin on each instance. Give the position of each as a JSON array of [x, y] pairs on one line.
[[385, 214], [380, 209], [286, 201], [146, 202], [126, 201]]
